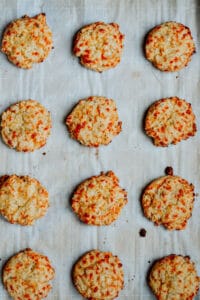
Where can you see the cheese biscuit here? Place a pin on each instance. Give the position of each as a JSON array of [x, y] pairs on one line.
[[98, 275], [27, 41], [99, 46], [169, 46]]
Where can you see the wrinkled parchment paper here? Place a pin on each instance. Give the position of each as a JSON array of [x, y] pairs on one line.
[[58, 84]]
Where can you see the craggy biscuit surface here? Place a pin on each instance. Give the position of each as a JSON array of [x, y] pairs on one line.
[[98, 275], [169, 201], [25, 126], [23, 199], [27, 274], [169, 121], [99, 46], [27, 41], [169, 46], [94, 121], [174, 277], [99, 199]]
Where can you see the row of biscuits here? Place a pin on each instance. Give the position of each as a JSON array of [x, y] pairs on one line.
[[99, 46], [26, 125], [99, 275], [168, 200]]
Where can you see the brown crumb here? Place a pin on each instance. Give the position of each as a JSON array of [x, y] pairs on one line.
[[169, 171], [44, 153], [97, 153], [142, 232]]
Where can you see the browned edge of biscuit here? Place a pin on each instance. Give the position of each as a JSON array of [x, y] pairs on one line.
[[75, 37], [3, 178], [74, 265], [8, 260], [72, 108], [143, 120], [74, 191], [153, 263]]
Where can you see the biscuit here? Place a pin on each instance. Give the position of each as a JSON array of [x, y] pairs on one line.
[[174, 277], [99, 46], [27, 274], [27, 41], [99, 199], [169, 201], [94, 121], [169, 121], [98, 275], [23, 200], [25, 126], [169, 46]]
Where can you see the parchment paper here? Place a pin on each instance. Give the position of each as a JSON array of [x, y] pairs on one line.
[[58, 84]]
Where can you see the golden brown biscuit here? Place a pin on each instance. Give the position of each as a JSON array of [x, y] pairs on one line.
[[94, 121], [99, 46], [98, 275], [23, 199], [99, 199], [26, 125], [169, 46], [169, 201], [27, 41], [174, 277], [27, 274], [169, 121]]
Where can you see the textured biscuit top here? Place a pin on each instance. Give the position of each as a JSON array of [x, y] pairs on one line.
[[94, 121], [169, 201], [23, 199], [99, 46], [99, 199], [174, 277], [169, 46], [170, 120], [26, 126], [27, 41], [98, 275], [27, 274]]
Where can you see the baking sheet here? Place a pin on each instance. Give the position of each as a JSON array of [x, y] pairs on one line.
[[58, 84]]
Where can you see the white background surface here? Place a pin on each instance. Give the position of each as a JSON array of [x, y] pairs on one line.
[[58, 84]]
